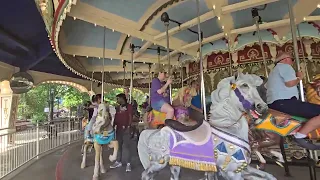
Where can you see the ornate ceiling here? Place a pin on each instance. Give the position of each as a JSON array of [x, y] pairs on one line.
[[76, 30]]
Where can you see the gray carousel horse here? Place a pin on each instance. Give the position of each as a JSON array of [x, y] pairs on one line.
[[103, 135], [220, 144]]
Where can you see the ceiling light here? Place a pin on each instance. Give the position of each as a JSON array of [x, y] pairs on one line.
[[128, 35], [219, 18], [99, 57], [87, 56], [74, 18], [318, 5], [214, 6], [222, 27], [304, 18], [95, 24], [112, 30], [111, 59], [74, 55]]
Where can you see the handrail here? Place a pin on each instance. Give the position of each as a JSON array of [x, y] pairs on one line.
[[18, 148]]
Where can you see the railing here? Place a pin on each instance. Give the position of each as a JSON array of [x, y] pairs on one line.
[[18, 148]]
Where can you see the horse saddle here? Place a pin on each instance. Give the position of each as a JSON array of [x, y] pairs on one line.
[[198, 136], [193, 149], [104, 138]]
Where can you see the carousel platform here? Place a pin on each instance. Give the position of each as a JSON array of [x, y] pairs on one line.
[[64, 164]]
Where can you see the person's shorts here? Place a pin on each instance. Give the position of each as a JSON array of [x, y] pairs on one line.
[[157, 105], [295, 107]]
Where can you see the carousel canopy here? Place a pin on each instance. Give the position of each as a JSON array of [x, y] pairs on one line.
[[24, 41], [76, 30]]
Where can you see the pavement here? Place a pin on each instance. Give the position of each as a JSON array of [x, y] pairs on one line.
[[64, 164]]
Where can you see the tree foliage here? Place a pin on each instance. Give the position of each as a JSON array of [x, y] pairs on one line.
[[32, 104], [137, 95]]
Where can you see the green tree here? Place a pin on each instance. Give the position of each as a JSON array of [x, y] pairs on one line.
[[32, 104], [137, 95]]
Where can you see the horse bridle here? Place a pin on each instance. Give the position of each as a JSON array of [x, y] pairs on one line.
[[245, 103]]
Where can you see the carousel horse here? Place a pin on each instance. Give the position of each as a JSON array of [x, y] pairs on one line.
[[285, 124], [104, 134], [278, 124], [181, 102], [88, 141], [220, 144]]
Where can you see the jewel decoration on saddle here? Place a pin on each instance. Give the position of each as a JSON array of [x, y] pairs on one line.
[[192, 149], [283, 128], [231, 152]]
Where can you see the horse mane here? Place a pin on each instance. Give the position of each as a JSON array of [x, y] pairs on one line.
[[182, 92], [103, 120]]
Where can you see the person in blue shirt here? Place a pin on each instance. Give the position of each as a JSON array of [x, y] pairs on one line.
[[283, 96], [195, 110]]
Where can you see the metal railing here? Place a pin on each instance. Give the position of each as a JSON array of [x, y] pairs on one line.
[[18, 148]]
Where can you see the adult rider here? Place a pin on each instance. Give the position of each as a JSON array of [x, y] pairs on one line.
[[160, 95], [283, 95]]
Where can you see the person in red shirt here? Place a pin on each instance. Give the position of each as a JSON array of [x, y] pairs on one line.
[[122, 122]]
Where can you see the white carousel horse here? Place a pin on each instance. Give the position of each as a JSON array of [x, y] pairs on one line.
[[88, 142], [220, 144], [104, 134]]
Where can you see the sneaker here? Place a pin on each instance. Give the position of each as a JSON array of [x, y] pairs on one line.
[[116, 165], [128, 168]]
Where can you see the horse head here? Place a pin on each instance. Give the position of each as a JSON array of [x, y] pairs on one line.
[[236, 96]]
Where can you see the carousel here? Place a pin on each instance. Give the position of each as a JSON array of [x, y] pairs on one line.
[[224, 45]]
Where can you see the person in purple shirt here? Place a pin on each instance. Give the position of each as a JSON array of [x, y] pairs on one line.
[[160, 94]]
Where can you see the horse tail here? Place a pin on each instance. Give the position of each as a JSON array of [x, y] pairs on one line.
[[176, 125]]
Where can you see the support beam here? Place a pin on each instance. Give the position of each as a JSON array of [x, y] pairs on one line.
[[18, 42], [7, 51], [37, 61], [301, 10], [186, 25], [142, 49], [102, 18], [244, 5], [137, 68], [225, 20], [97, 52], [271, 25]]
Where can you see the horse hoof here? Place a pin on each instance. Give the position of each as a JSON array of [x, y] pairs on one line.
[[102, 171], [83, 166]]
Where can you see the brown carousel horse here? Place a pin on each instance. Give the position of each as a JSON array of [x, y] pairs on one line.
[[267, 132], [180, 104]]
